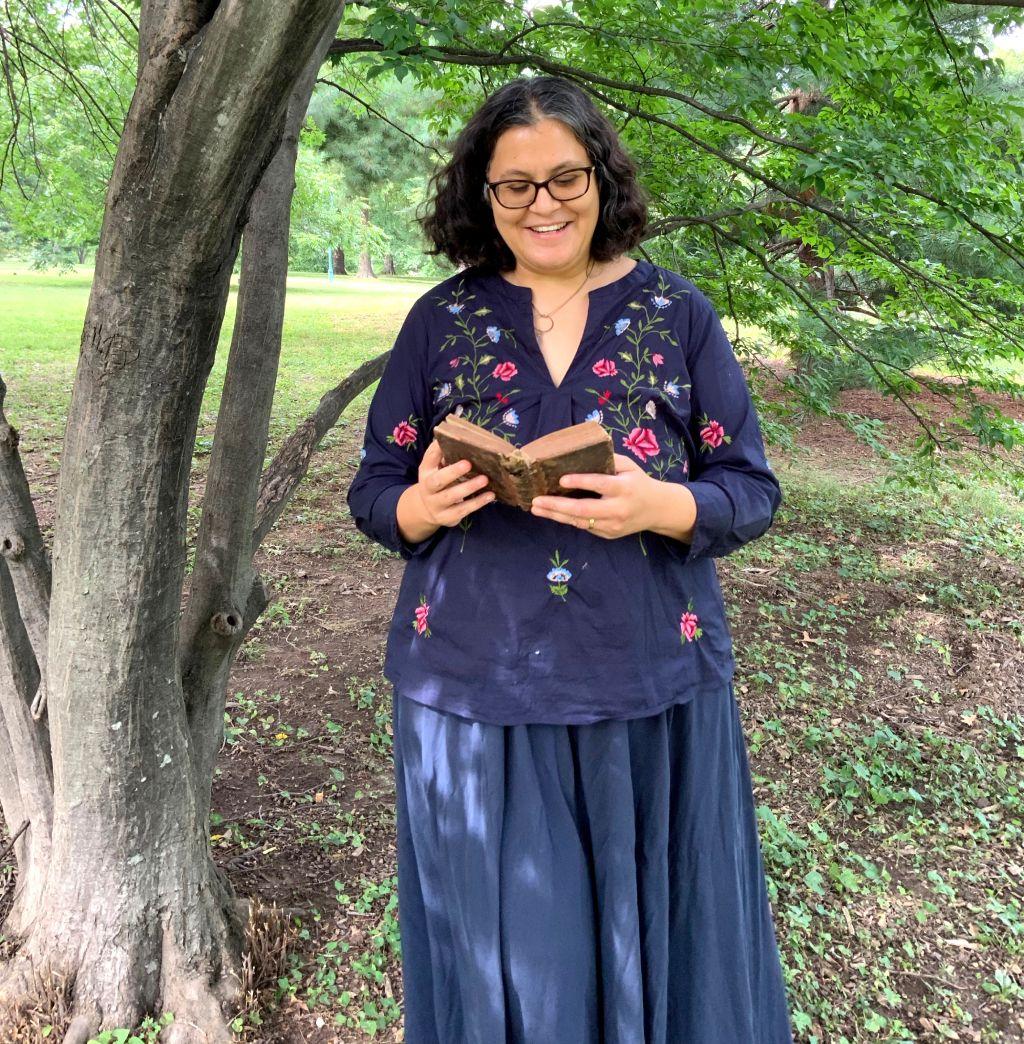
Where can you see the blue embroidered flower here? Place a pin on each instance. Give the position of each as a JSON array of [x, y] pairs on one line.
[[622, 326], [671, 388], [494, 333], [559, 576], [511, 418], [362, 452], [443, 392], [595, 415], [660, 301], [455, 308], [651, 408]]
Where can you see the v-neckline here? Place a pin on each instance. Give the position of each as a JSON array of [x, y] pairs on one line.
[[522, 300]]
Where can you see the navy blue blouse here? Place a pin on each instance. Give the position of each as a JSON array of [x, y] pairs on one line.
[[510, 618]]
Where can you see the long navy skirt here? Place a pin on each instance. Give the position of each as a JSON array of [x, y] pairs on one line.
[[583, 884]]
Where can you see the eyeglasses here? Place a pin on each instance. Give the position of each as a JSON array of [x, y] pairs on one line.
[[515, 195]]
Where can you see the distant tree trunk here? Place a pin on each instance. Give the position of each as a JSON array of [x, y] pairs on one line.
[[133, 912], [365, 263], [389, 264], [81, 254], [339, 261]]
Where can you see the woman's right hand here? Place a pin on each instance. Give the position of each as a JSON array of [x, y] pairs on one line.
[[446, 501]]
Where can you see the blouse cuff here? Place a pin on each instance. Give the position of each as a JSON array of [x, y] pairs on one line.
[[714, 519], [385, 507]]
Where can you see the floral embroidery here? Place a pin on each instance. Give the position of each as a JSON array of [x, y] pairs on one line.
[[595, 415], [689, 625], [476, 364], [362, 453], [443, 392], [643, 442], [511, 418], [405, 433], [420, 617], [712, 434], [631, 418], [559, 577]]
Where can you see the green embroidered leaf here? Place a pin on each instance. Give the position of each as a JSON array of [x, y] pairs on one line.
[[485, 359], [634, 304], [460, 382], [482, 311]]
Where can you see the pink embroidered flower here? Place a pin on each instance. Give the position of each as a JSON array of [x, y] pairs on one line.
[[688, 628], [420, 622], [643, 442], [657, 358], [505, 371], [712, 433], [605, 368], [603, 398], [454, 362], [404, 433]]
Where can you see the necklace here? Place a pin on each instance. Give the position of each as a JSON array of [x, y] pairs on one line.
[[548, 315]]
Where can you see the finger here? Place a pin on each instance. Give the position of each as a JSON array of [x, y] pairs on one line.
[[570, 506], [460, 491], [432, 457], [475, 503], [590, 480], [624, 463]]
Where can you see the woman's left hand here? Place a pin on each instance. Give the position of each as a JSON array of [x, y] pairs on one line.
[[629, 501]]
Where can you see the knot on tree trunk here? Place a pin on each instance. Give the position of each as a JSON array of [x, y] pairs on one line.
[[227, 624], [12, 547], [8, 436]]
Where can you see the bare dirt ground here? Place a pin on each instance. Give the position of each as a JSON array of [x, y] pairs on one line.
[[304, 795]]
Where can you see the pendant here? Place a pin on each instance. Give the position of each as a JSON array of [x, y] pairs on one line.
[[545, 329]]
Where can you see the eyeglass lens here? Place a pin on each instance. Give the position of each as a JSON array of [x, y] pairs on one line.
[[568, 185]]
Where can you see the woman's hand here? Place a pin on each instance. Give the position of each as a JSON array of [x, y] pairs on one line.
[[631, 501], [438, 498]]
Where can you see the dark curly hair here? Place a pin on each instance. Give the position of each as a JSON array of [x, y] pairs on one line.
[[459, 222]]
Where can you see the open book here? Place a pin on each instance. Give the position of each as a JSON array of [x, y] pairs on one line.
[[518, 474]]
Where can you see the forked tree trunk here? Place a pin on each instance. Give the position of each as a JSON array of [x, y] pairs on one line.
[[132, 908], [389, 264], [339, 261]]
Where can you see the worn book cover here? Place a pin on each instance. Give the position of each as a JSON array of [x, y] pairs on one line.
[[520, 473]]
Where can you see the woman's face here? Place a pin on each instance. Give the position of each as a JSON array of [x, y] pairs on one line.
[[536, 153]]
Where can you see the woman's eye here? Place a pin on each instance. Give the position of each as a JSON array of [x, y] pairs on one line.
[[517, 188], [568, 180]]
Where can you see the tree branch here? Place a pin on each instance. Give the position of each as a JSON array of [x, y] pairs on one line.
[[23, 551]]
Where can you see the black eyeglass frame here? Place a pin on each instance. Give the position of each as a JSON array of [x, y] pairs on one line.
[[538, 185]]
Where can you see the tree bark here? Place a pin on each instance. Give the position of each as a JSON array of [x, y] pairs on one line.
[[339, 261], [133, 911], [365, 262], [220, 610], [389, 264]]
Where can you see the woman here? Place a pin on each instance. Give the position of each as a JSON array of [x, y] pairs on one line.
[[578, 858]]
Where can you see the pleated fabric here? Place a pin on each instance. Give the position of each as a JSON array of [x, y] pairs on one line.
[[583, 884]]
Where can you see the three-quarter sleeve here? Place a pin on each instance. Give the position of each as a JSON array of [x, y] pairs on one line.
[[396, 437], [736, 491]]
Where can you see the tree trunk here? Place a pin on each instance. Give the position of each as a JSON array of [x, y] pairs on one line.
[[133, 911], [339, 261], [389, 264], [365, 263]]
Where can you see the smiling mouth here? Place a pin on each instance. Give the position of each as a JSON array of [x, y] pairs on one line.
[[547, 231]]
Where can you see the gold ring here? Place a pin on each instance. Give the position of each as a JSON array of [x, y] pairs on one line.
[[590, 523]]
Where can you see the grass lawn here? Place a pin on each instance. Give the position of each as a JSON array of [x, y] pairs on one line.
[[879, 635]]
